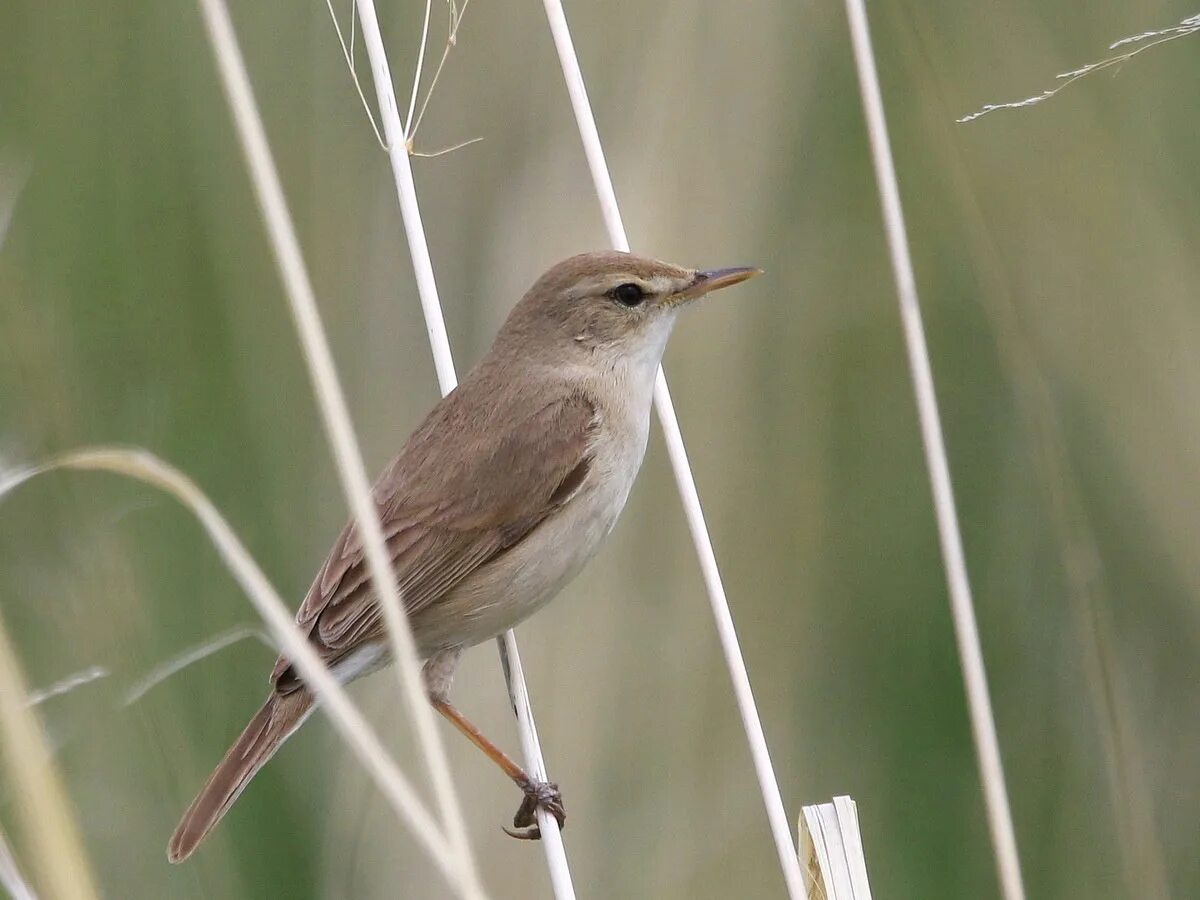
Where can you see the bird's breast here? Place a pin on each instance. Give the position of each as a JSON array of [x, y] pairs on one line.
[[524, 578]]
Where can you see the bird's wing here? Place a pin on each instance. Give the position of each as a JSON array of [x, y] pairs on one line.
[[446, 510]]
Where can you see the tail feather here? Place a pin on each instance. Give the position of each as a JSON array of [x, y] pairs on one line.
[[281, 715]]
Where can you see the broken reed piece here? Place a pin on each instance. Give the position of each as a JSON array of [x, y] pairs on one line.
[[831, 851]]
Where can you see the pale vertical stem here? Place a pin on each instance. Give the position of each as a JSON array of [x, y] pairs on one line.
[[531, 747], [406, 191], [335, 415], [439, 344], [768, 785], [586, 123], [416, 88], [10, 873], [59, 860], [966, 631], [763, 769]]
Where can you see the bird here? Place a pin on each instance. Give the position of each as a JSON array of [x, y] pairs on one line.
[[495, 502]]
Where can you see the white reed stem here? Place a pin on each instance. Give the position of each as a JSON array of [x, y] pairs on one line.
[[983, 725], [336, 417], [406, 191], [10, 874], [416, 88], [776, 815], [58, 856], [439, 344], [531, 747], [149, 469]]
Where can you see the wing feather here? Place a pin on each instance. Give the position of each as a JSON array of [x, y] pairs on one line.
[[447, 510]]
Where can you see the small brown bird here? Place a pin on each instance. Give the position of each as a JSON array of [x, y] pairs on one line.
[[496, 501]]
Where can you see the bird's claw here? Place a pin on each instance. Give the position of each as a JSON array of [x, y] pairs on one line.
[[538, 795]]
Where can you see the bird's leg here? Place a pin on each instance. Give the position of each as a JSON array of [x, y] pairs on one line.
[[438, 671], [537, 793]]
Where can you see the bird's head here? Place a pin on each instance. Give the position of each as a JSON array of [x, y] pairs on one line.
[[610, 304]]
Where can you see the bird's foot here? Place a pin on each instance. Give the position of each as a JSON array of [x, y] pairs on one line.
[[538, 795]]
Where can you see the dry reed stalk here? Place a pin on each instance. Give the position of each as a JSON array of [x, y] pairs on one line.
[[677, 453], [59, 860], [406, 192], [335, 414], [11, 877], [1142, 862], [966, 630]]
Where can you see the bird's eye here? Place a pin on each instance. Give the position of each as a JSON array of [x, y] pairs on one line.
[[628, 294]]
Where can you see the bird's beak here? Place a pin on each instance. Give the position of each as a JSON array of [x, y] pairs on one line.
[[713, 280]]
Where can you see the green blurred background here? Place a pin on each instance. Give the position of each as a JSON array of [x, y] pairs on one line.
[[1056, 254]]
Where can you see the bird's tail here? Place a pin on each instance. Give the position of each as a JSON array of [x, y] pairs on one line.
[[271, 726]]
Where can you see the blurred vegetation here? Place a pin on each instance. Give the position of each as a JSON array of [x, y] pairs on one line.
[[1055, 250]]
